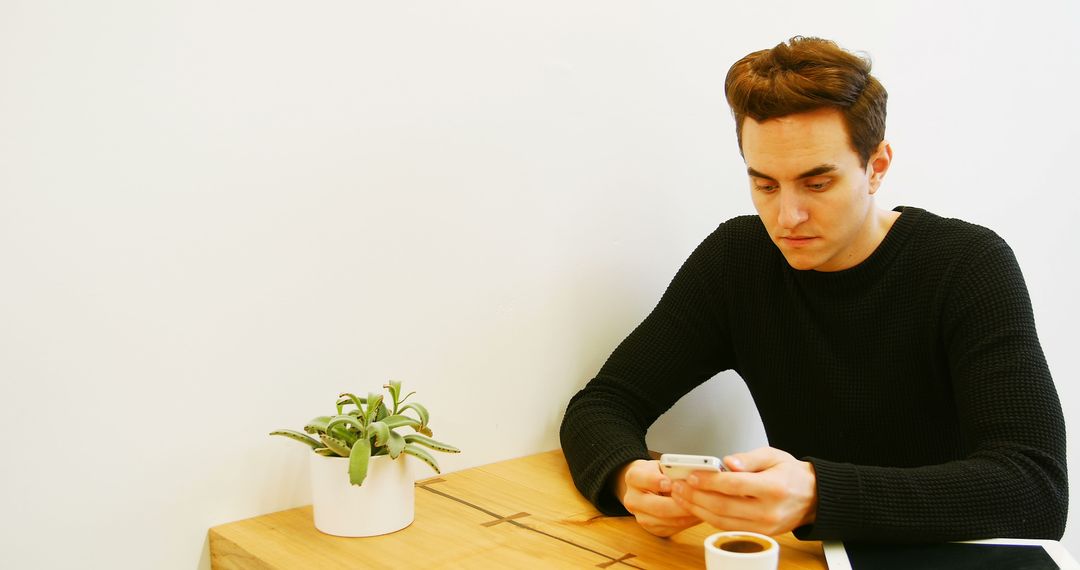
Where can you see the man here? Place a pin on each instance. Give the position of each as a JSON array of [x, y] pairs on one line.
[[892, 354]]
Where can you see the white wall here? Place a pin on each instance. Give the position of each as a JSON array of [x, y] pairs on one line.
[[214, 216]]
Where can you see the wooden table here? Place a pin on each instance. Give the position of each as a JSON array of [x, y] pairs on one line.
[[521, 513]]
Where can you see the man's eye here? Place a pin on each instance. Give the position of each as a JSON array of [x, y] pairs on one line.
[[767, 188], [818, 185]]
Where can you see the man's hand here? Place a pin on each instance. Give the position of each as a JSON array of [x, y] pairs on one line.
[[766, 491], [643, 490]]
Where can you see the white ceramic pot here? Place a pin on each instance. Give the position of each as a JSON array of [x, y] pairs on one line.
[[383, 504]]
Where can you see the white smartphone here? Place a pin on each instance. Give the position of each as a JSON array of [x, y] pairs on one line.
[[679, 465]]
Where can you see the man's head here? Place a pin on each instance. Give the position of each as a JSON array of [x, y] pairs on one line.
[[806, 74], [811, 123]]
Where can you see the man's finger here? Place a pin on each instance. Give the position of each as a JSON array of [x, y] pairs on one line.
[[659, 506], [667, 527], [759, 459], [732, 506], [676, 523], [729, 519], [646, 476], [736, 484]]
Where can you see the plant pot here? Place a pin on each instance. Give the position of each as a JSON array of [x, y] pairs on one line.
[[383, 504]]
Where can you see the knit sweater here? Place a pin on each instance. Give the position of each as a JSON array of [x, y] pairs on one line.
[[913, 382]]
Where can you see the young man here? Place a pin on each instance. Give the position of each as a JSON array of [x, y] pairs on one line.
[[892, 354]]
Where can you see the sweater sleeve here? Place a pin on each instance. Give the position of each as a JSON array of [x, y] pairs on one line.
[[678, 346], [1012, 482]]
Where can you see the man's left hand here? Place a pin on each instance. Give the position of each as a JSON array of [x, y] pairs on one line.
[[765, 491]]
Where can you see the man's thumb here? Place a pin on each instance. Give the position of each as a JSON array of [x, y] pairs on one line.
[[759, 459]]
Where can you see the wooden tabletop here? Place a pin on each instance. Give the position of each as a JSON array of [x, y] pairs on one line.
[[521, 513]]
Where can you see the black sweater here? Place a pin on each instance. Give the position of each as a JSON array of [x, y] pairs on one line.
[[914, 382]]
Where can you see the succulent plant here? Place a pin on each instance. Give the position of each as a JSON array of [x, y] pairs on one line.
[[368, 430]]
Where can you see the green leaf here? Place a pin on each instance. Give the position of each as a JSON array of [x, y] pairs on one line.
[[344, 434], [421, 411], [336, 445], [317, 425], [397, 421], [298, 437], [326, 452], [424, 456], [428, 442], [395, 445], [382, 413], [346, 398], [425, 430], [381, 432], [374, 401], [395, 392], [358, 461], [346, 428], [346, 420]]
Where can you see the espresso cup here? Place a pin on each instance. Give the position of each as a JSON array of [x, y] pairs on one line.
[[738, 550]]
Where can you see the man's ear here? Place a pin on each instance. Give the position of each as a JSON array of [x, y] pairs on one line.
[[878, 164]]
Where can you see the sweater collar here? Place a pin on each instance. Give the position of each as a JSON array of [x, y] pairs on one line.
[[872, 267]]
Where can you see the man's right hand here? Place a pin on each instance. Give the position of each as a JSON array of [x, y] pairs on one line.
[[644, 490]]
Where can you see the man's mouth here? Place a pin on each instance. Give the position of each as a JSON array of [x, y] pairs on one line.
[[797, 241]]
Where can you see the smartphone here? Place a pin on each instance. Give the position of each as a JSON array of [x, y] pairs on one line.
[[679, 465]]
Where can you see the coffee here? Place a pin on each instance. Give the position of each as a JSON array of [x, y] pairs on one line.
[[741, 550], [742, 544]]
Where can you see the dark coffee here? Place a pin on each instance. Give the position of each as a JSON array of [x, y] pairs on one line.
[[742, 544]]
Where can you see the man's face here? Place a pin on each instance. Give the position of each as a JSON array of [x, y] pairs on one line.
[[811, 191]]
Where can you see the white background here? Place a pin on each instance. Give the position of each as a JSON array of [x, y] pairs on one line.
[[215, 216]]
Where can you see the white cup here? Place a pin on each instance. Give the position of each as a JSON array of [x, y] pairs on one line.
[[738, 550]]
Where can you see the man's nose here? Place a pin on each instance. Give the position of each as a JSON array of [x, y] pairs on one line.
[[792, 210]]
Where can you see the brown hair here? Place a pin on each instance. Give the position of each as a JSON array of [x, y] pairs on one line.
[[806, 74]]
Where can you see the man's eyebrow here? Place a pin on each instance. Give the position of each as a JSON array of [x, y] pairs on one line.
[[815, 171], [756, 174]]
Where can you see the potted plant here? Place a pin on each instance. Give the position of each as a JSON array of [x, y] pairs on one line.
[[360, 474]]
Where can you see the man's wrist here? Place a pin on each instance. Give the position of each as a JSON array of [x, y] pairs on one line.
[[810, 516], [617, 483]]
